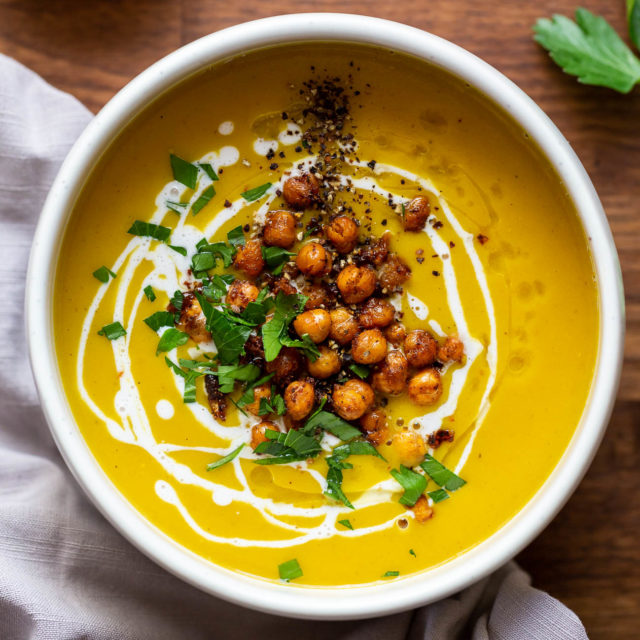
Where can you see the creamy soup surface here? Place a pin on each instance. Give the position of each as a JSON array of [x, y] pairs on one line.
[[499, 266]]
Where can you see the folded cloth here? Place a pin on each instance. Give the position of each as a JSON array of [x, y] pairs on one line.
[[65, 573]]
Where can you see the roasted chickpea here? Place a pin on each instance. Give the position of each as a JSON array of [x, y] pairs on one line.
[[192, 320], [452, 350], [376, 252], [259, 392], [416, 214], [352, 399], [240, 294], [287, 365], [342, 233], [393, 273], [395, 333], [374, 424], [301, 191], [249, 258], [391, 375], [314, 260], [425, 387], [316, 323], [369, 347], [317, 296], [299, 397], [344, 326], [280, 229], [410, 448], [283, 285], [422, 510], [376, 313], [328, 364], [257, 432], [420, 348], [356, 283]]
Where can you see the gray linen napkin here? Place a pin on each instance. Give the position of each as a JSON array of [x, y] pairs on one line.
[[65, 573]]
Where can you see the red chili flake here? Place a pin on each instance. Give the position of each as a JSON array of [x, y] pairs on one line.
[[227, 203], [436, 273], [440, 436], [438, 225], [482, 239]]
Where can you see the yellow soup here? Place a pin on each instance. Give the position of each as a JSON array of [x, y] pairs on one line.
[[503, 263]]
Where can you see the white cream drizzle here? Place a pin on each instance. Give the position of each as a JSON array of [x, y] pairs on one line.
[[169, 269]]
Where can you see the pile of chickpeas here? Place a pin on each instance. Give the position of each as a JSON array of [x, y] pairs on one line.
[[347, 315]]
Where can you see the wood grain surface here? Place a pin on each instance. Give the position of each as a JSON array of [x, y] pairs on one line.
[[589, 557]]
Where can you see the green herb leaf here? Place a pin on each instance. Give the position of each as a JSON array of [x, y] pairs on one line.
[[171, 339], [283, 459], [333, 424], [228, 336], [334, 480], [176, 207], [633, 17], [440, 474], [216, 287], [112, 331], [360, 370], [209, 170], [438, 496], [203, 200], [149, 230], [291, 443], [346, 523], [202, 262], [218, 249], [391, 574], [289, 570], [286, 308], [177, 300], [150, 293], [413, 484], [228, 458], [190, 377], [413, 553], [256, 193], [589, 49], [275, 258], [236, 237], [103, 274], [228, 374], [357, 448], [183, 171], [160, 319], [181, 250], [306, 344]]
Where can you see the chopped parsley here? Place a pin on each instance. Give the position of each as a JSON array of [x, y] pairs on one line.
[[413, 484], [189, 377], [346, 523], [360, 370], [181, 250], [202, 262], [228, 458], [289, 570], [333, 424], [228, 374], [236, 237], [209, 170], [275, 258], [177, 299], [391, 574], [176, 207], [440, 474], [183, 171], [112, 331], [413, 553], [438, 495], [218, 250], [251, 195], [273, 405], [292, 446], [160, 319], [287, 307], [171, 339], [203, 200], [103, 274], [150, 293], [149, 230]]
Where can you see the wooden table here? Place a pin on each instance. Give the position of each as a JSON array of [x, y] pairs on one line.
[[589, 557]]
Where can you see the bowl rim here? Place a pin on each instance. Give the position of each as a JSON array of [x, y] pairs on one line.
[[301, 601]]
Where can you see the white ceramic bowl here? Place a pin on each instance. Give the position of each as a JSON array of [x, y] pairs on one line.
[[289, 600]]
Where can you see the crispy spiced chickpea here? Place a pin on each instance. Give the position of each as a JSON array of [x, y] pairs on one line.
[[316, 323], [240, 294], [420, 348], [300, 192], [287, 365], [356, 283], [376, 312], [314, 260], [249, 258], [283, 285], [374, 424], [317, 296], [369, 347], [352, 399], [299, 397], [425, 387], [395, 333], [393, 273], [342, 233], [452, 350], [257, 432], [192, 320], [280, 229], [344, 327], [376, 252], [421, 509], [416, 214], [328, 364], [391, 375], [410, 448], [259, 392]]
